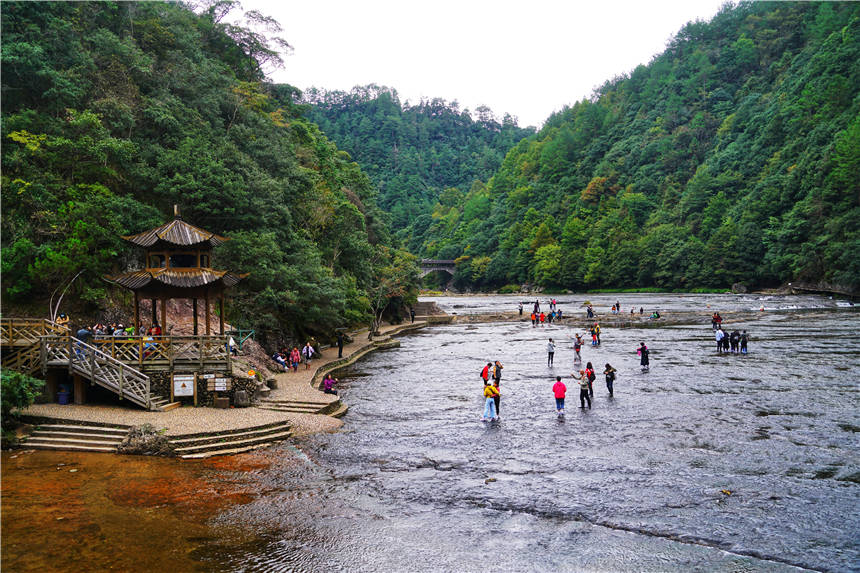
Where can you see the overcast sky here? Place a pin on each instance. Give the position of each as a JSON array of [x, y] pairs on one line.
[[525, 57]]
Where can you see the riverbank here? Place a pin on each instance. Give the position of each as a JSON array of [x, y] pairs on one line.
[[188, 420]]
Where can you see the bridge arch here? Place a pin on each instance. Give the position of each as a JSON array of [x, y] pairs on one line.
[[432, 265]]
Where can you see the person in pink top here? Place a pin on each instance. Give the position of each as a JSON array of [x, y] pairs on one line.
[[559, 389]]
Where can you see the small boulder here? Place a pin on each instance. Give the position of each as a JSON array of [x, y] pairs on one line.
[[739, 288], [240, 399]]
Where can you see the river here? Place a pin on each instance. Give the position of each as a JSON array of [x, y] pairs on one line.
[[706, 462]]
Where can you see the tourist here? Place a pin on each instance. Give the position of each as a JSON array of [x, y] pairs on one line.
[[609, 372], [593, 336], [558, 315], [583, 389], [497, 383], [618, 306], [550, 352], [307, 354], [328, 384], [537, 306], [589, 312], [641, 310], [542, 319], [597, 332], [232, 348], [643, 353], [559, 390], [520, 307], [631, 310], [485, 373], [718, 336], [589, 372], [279, 358], [412, 313], [734, 341], [577, 346], [63, 319], [744, 339], [295, 358], [534, 320], [489, 402], [340, 344], [714, 321]]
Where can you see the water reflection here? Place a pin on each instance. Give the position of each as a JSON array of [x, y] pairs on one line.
[[707, 462]]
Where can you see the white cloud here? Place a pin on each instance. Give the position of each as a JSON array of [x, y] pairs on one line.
[[526, 58]]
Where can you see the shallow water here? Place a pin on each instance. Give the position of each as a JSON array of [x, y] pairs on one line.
[[573, 304], [707, 462]]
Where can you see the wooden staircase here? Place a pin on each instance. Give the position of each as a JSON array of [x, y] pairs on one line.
[[30, 345]]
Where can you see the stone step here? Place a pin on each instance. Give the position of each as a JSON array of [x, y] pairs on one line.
[[220, 437], [77, 435], [224, 452], [61, 442], [70, 447], [97, 430], [290, 408], [228, 433], [233, 444], [300, 402]]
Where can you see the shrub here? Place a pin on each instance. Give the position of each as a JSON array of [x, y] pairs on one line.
[[509, 289], [17, 391]]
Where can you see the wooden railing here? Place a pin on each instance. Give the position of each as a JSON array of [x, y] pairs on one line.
[[90, 362], [26, 331], [25, 359], [167, 352]]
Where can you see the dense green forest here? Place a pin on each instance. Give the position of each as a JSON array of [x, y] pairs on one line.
[[413, 153], [114, 111], [734, 156]]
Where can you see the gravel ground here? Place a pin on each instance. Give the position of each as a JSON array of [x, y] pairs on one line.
[[191, 420]]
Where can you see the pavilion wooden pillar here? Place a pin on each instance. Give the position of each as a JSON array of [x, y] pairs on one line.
[[194, 307], [154, 311], [221, 313], [208, 331], [164, 317], [136, 313]]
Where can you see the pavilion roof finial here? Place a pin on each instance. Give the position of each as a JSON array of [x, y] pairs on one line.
[[176, 213]]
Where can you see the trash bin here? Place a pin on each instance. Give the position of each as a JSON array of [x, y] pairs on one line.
[[64, 396]]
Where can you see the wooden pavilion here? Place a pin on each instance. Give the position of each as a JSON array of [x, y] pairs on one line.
[[178, 259]]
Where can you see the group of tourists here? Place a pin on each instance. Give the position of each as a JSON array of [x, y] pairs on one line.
[[543, 318], [585, 380], [492, 391], [734, 343], [290, 359]]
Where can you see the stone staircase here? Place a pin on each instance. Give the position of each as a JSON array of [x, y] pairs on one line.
[[76, 438], [335, 409], [205, 445]]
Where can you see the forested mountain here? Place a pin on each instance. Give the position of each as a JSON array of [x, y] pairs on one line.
[[731, 157], [413, 153], [114, 111]]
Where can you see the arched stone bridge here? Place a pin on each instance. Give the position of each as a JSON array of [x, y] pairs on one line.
[[431, 265]]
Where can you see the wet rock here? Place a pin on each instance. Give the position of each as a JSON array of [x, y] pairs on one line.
[[739, 288]]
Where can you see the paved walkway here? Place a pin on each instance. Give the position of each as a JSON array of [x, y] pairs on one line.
[[191, 420]]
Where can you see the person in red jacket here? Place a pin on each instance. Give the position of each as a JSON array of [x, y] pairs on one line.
[[485, 373], [559, 390]]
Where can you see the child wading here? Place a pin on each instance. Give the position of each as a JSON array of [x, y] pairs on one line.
[[489, 402], [610, 377], [559, 390]]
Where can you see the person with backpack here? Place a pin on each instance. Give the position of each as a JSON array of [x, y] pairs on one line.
[[589, 372], [485, 373], [583, 389]]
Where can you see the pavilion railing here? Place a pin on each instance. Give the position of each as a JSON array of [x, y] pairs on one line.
[[101, 368], [167, 352], [26, 331]]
